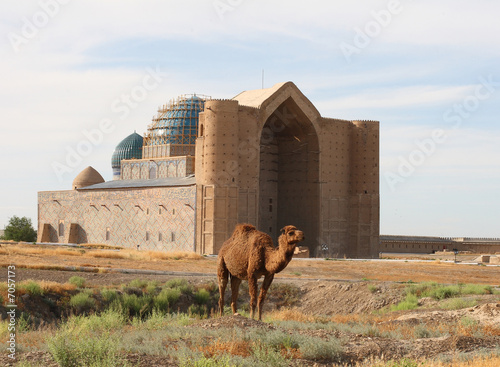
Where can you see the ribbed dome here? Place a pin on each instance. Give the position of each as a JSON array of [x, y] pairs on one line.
[[89, 176], [177, 123], [128, 148]]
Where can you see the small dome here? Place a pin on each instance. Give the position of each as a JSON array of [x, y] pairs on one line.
[[128, 148], [89, 176]]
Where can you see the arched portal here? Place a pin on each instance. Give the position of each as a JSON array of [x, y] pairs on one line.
[[289, 174]]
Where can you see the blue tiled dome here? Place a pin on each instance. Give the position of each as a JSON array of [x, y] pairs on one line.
[[179, 123], [128, 148]]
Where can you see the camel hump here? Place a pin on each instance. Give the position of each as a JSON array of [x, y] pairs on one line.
[[243, 228]]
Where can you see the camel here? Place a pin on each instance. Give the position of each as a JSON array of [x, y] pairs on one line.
[[248, 255]]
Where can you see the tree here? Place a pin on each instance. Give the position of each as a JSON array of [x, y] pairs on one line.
[[20, 229]]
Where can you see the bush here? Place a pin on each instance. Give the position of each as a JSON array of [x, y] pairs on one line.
[[268, 355], [19, 229], [166, 299], [202, 296], [82, 301], [138, 283], [181, 284], [70, 349], [32, 287], [78, 281], [409, 303], [136, 306], [109, 295], [457, 304]]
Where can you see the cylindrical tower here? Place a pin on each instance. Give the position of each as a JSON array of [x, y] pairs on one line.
[[217, 171], [364, 190], [220, 143]]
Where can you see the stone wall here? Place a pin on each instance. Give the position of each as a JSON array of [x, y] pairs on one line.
[[156, 218], [145, 169]]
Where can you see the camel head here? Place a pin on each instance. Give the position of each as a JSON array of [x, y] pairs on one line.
[[291, 235]]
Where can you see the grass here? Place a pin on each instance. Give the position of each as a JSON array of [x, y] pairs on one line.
[[77, 281], [409, 303], [166, 298], [31, 287], [71, 349], [82, 302]]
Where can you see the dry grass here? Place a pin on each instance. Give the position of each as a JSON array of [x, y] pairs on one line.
[[478, 361], [31, 250], [55, 287], [235, 347], [290, 314]]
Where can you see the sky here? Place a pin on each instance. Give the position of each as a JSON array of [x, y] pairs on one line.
[[76, 77]]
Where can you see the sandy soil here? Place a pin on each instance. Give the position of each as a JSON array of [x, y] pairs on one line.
[[327, 288]]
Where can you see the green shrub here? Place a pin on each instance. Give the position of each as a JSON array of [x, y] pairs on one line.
[[268, 355], [109, 295], [82, 301], [445, 292], [78, 281], [319, 349], [372, 288], [476, 289], [70, 349], [202, 296], [136, 306], [421, 332], [180, 284], [457, 304], [152, 287], [409, 303], [32, 288], [199, 311], [166, 299], [138, 283]]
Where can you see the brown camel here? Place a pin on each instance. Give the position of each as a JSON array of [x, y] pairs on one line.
[[249, 254]]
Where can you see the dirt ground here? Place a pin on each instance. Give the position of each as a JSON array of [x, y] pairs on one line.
[[328, 288]]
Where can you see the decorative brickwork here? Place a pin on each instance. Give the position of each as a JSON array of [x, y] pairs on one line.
[[160, 218]]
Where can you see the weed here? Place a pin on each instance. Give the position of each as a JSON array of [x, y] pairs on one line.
[[199, 311], [82, 301], [138, 283], [166, 298], [78, 281], [457, 303], [70, 349], [136, 306], [181, 284], [421, 332], [31, 287], [268, 355], [109, 295], [372, 288], [409, 303], [202, 297]]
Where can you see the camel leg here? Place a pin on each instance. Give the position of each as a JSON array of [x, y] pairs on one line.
[[252, 288], [235, 286], [222, 277], [263, 291]]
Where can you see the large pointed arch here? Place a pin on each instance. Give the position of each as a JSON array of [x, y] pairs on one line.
[[289, 191]]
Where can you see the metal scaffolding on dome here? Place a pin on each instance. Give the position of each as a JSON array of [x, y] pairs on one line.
[[175, 125]]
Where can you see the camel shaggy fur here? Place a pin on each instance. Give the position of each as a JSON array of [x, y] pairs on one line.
[[248, 255]]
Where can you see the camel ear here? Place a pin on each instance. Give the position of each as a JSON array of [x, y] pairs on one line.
[[282, 230]]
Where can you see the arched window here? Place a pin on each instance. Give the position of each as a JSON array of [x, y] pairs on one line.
[[61, 228], [152, 172]]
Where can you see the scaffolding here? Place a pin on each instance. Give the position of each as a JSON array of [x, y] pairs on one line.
[[175, 128]]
